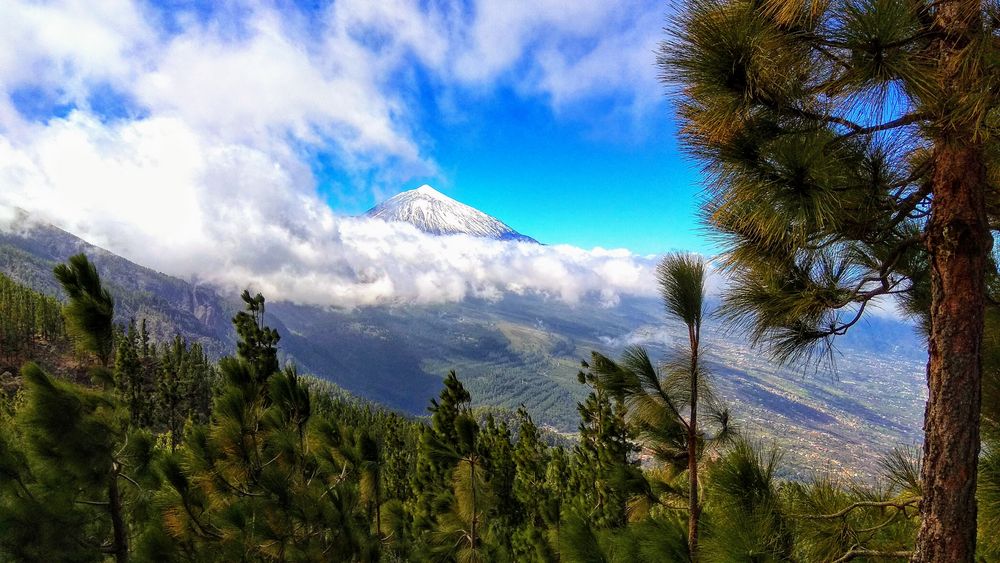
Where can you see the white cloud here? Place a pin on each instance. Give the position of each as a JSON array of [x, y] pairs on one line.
[[153, 191], [209, 180], [567, 53], [81, 41], [271, 83], [328, 79]]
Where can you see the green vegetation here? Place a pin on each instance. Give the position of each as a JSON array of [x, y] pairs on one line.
[[27, 318], [166, 457], [90, 310], [523, 350], [851, 155]]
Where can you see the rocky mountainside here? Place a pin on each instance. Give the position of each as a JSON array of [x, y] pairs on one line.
[[29, 250], [433, 212]]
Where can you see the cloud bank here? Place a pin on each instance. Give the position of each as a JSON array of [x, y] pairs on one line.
[[157, 193], [182, 140]]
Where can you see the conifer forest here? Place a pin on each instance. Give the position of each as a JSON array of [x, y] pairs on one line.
[[848, 155], [149, 451]]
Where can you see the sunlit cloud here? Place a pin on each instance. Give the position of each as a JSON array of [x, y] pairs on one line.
[[154, 192], [184, 146]]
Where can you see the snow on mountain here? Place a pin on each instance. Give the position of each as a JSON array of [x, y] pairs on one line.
[[433, 212]]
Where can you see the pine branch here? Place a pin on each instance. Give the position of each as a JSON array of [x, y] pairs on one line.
[[861, 552], [92, 502], [911, 202], [886, 286], [903, 121], [888, 521], [130, 480], [917, 173], [807, 114], [821, 49], [202, 528], [900, 505]]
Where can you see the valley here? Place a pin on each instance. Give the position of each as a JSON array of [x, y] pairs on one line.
[[526, 350]]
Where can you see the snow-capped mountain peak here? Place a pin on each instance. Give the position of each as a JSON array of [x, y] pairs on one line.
[[431, 192], [433, 212]]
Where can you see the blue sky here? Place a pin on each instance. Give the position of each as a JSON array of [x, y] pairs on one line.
[[236, 137], [561, 178], [593, 172]]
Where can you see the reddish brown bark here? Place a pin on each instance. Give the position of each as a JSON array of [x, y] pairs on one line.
[[958, 242], [958, 237]]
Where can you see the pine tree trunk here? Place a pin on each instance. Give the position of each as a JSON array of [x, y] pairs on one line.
[[120, 539], [958, 238], [693, 508], [958, 242]]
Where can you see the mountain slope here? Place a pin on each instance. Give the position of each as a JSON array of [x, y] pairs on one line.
[[433, 212], [361, 362], [526, 349], [29, 250]]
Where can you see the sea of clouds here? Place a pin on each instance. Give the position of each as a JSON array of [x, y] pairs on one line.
[[157, 193], [182, 141]]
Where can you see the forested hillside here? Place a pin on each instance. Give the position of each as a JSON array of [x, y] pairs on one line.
[[166, 456], [29, 250], [525, 350], [29, 321]]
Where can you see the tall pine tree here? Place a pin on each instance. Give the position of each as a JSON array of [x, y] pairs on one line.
[[90, 310], [851, 154]]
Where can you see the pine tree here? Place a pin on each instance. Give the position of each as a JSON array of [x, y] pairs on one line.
[[90, 311], [464, 531], [129, 377], [507, 513], [559, 482], [78, 447], [851, 155], [604, 458], [258, 343], [201, 378], [533, 493], [80, 454], [89, 318], [430, 483], [171, 389], [28, 316], [682, 286], [655, 402], [265, 479], [361, 457]]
